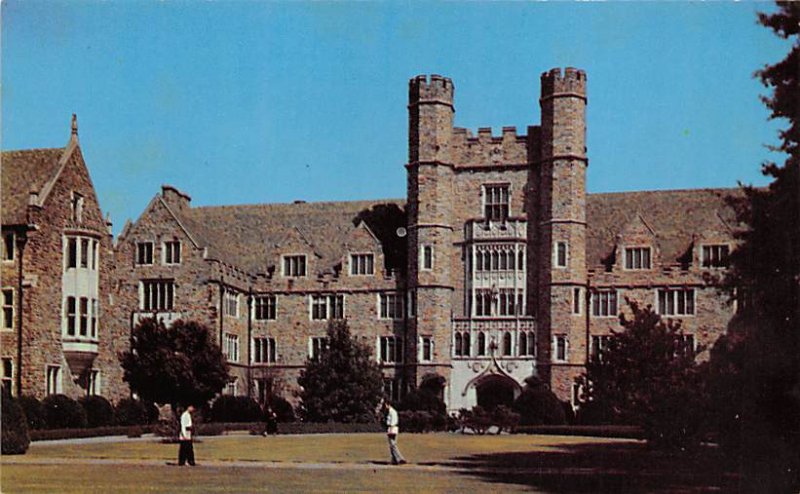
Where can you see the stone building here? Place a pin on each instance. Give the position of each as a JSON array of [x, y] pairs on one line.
[[56, 259], [497, 266]]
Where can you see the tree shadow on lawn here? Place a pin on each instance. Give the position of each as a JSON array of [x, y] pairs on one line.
[[608, 467]]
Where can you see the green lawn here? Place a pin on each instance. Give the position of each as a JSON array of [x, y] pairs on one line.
[[357, 463]]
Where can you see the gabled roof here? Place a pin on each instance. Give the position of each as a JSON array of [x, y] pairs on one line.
[[251, 236], [23, 171], [674, 216]]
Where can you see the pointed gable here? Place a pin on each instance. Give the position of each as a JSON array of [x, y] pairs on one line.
[[22, 172]]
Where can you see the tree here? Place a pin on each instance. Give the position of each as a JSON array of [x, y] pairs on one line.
[[178, 365], [342, 383], [537, 405], [647, 376], [755, 368]]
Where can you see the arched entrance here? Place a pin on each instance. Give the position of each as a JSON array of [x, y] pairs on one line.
[[434, 385], [495, 390]]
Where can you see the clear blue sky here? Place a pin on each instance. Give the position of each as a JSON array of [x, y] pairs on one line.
[[253, 102]]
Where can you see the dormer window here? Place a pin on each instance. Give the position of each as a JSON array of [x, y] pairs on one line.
[[495, 202], [715, 256], [637, 258], [362, 264], [294, 266], [77, 207]]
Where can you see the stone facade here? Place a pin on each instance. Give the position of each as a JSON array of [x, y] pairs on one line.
[[496, 267], [63, 251]]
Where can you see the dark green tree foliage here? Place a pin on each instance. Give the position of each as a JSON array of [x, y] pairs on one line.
[[99, 411], [129, 411], [282, 408], [235, 409], [647, 377], [15, 437], [34, 412], [343, 383], [422, 400], [755, 372], [537, 405], [62, 412], [178, 365]]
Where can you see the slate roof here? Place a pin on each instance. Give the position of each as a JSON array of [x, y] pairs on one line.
[[675, 216], [252, 237], [23, 171]]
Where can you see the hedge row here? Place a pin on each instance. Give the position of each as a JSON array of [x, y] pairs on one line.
[[52, 434], [615, 431]]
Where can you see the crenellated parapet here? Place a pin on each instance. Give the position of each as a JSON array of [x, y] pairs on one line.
[[486, 149], [430, 89], [570, 82]]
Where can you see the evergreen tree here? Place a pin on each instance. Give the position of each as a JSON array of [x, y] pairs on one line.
[[647, 376], [178, 365], [755, 368], [342, 383]]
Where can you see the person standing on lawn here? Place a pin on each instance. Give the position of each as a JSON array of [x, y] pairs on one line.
[[392, 430], [186, 450]]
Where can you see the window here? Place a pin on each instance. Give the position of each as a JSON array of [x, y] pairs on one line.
[[84, 252], [497, 258], [483, 302], [172, 252], [507, 300], [495, 202], [599, 343], [391, 350], [294, 266], [461, 345], [426, 349], [685, 344], [53, 379], [561, 254], [231, 347], [362, 264], [95, 246], [637, 258], [144, 253], [412, 303], [230, 306], [604, 303], [158, 295], [391, 305], [527, 344], [71, 315], [426, 259], [72, 252], [391, 389], [76, 205], [327, 307], [266, 307], [715, 256], [507, 344], [676, 301], [84, 321], [232, 387], [576, 300], [481, 344], [8, 246], [93, 384], [8, 308], [95, 315], [8, 375], [560, 348], [317, 345], [264, 351]]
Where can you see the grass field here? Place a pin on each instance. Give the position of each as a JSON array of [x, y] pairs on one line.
[[358, 463]]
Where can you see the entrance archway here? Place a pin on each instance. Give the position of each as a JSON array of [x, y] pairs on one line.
[[495, 390], [433, 384]]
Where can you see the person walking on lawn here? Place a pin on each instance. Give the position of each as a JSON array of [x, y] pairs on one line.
[[186, 450], [392, 429]]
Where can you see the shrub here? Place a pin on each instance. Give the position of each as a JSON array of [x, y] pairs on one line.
[[51, 434], [477, 420], [62, 412], [99, 411], [537, 405], [420, 421], [34, 412], [283, 409], [422, 400], [131, 412], [235, 409], [15, 438], [505, 418], [214, 429]]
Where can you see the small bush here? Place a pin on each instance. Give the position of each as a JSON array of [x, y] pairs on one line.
[[420, 421], [51, 434], [62, 412], [283, 409], [235, 409], [537, 405], [131, 412], [213, 429], [477, 420], [135, 431], [15, 437], [422, 400], [34, 412], [99, 411], [504, 418]]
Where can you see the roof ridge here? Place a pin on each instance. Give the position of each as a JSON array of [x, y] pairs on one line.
[[4, 151], [304, 203], [664, 191]]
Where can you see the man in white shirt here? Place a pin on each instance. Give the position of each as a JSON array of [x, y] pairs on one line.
[[186, 451], [392, 429]]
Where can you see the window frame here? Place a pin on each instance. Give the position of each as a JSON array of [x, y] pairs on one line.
[[391, 349], [680, 304], [53, 380], [231, 346], [632, 263], [265, 350], [557, 339], [426, 257], [9, 310], [426, 345], [558, 263], [715, 256], [169, 295], [362, 261], [9, 239], [317, 345], [143, 254], [290, 265], [391, 306], [597, 302], [496, 202], [171, 252], [333, 305], [265, 305]]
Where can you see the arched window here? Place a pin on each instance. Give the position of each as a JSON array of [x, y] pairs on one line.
[[510, 254], [466, 345], [531, 343], [507, 343], [523, 343], [495, 260], [481, 343], [459, 347], [521, 263], [503, 261]]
